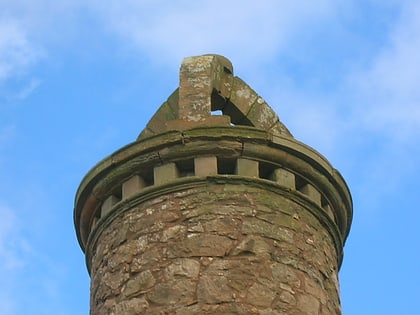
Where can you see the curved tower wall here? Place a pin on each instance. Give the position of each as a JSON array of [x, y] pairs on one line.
[[209, 214]]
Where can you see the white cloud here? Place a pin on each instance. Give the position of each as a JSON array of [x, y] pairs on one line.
[[380, 100], [28, 275], [388, 91], [382, 97], [244, 31], [28, 30], [17, 53], [11, 244], [312, 118], [26, 90]]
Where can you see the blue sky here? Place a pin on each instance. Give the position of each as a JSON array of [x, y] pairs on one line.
[[80, 79]]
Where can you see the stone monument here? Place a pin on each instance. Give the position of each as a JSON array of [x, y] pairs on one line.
[[214, 209]]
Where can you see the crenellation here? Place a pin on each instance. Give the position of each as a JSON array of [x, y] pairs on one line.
[[132, 186], [165, 173], [310, 191], [246, 167], [205, 166], [284, 177], [108, 204]]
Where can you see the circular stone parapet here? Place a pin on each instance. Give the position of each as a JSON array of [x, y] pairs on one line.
[[174, 161], [213, 214]]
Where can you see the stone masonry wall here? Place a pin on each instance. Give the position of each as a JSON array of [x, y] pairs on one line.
[[222, 248]]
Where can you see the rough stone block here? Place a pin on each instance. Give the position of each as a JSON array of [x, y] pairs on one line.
[[195, 88], [158, 122], [132, 186], [221, 72], [180, 291], [279, 129], [226, 85], [261, 115], [205, 245], [308, 304], [260, 295], [204, 81], [262, 228], [204, 166], [168, 111], [284, 178], [139, 283], [245, 167], [242, 96], [213, 289], [183, 268], [165, 173], [173, 102]]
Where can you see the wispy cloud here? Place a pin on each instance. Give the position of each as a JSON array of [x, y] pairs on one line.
[[7, 134], [17, 53], [388, 90], [249, 33], [379, 98], [28, 31], [11, 244], [11, 260], [24, 269]]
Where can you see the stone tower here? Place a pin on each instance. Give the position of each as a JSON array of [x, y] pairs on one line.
[[214, 209]]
